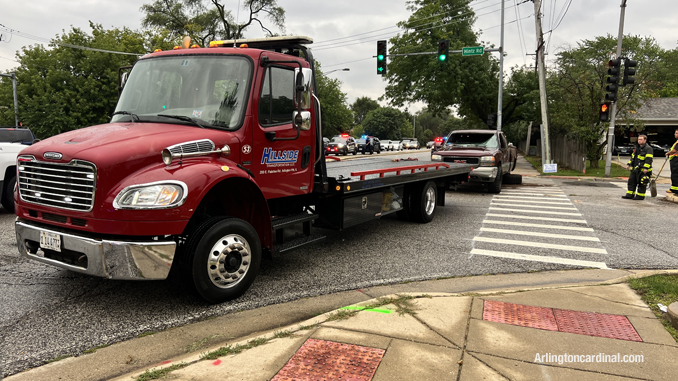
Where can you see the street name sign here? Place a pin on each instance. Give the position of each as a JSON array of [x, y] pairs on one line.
[[473, 51]]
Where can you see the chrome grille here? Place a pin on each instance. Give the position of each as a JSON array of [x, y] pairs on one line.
[[204, 145], [467, 160], [65, 186]]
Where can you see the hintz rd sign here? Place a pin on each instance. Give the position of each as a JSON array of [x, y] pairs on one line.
[[473, 51]]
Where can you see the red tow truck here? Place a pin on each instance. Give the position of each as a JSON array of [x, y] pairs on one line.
[[213, 158]]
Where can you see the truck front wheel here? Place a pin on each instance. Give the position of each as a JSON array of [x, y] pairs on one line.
[[225, 260], [495, 187]]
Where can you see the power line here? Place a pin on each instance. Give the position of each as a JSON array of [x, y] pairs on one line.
[[333, 43], [391, 34], [369, 58], [521, 34], [44, 40]]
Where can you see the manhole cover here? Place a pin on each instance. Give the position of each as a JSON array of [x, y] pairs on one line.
[[597, 184]]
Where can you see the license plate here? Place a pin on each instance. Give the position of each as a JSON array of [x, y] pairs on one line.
[[50, 241]]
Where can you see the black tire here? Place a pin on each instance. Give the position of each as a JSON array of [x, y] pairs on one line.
[[8, 195], [423, 202], [224, 259], [495, 187], [513, 179]]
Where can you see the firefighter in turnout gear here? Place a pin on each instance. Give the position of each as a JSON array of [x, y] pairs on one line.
[[641, 169], [673, 161]]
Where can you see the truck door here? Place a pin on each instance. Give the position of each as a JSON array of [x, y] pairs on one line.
[[505, 155], [281, 167]]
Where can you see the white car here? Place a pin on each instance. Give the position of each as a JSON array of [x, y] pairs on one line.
[[396, 145], [12, 141], [386, 145]]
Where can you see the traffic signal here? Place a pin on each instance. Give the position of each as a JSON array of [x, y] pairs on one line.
[[612, 80], [381, 57], [629, 72], [443, 50], [491, 121], [605, 112]]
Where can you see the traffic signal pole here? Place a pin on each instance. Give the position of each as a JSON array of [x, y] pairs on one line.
[[501, 71], [16, 103], [613, 109]]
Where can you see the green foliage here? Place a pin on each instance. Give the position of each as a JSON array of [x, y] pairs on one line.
[[386, 123], [336, 116], [209, 20], [470, 82], [63, 88], [361, 107], [577, 88]]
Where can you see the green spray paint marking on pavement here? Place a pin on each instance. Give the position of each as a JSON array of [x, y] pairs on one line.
[[366, 309]]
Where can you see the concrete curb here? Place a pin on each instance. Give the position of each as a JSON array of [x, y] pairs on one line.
[[672, 314]]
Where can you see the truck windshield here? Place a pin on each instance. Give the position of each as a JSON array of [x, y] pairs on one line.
[[211, 90], [474, 140]]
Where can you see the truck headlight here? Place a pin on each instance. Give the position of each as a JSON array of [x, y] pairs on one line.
[[158, 195], [436, 158], [487, 161]]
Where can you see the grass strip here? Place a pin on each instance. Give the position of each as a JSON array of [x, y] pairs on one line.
[[655, 289]]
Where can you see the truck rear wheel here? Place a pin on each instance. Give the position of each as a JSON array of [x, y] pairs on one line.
[[224, 260], [8, 195], [423, 202]]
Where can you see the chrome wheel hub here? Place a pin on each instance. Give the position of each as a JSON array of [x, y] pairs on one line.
[[430, 200], [229, 260]]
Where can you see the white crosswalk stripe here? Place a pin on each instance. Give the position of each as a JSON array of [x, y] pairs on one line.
[[509, 233]]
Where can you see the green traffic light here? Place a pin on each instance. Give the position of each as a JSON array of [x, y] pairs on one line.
[[380, 69], [442, 57], [380, 57]]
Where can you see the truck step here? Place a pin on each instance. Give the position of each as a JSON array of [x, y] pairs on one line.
[[297, 243], [283, 222]]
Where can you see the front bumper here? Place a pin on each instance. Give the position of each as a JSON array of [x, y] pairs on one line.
[[143, 260], [483, 174]]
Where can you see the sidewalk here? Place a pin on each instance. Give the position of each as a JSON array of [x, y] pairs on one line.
[[513, 326]]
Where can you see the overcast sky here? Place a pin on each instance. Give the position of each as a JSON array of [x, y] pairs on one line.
[[326, 21]]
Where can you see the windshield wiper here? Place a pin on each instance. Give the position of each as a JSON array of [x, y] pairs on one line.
[[135, 117], [184, 118]]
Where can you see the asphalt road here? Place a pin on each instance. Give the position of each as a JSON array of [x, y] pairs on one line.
[[47, 312]]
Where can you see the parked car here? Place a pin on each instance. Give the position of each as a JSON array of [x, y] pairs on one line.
[[376, 145], [12, 141], [326, 142], [438, 142], [410, 144], [385, 145], [625, 149], [659, 151], [342, 145], [396, 145], [429, 145]]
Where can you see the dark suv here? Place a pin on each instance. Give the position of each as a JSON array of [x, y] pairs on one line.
[[342, 145], [376, 145]]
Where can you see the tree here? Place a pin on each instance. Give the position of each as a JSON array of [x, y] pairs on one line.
[[361, 107], [469, 82], [63, 88], [206, 21], [386, 123], [576, 88], [336, 116]]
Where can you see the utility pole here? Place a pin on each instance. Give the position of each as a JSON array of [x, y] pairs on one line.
[[613, 108], [501, 71], [542, 81], [16, 103]]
